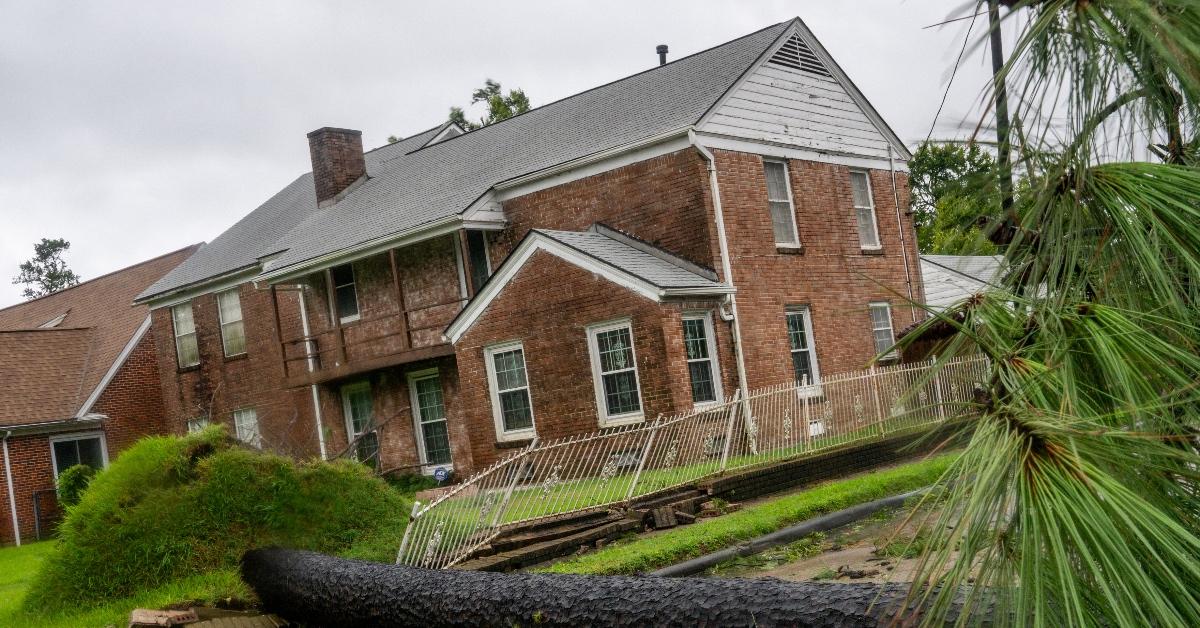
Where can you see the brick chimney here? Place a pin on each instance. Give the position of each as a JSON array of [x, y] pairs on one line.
[[337, 161]]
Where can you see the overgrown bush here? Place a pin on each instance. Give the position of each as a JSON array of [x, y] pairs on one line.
[[72, 482], [172, 507]]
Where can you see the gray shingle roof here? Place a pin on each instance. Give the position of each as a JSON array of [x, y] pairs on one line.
[[951, 278], [407, 191], [658, 269]]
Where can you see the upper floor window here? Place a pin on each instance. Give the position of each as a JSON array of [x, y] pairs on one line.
[[477, 255], [800, 342], [701, 357], [187, 351], [233, 334], [864, 210], [881, 328], [614, 369], [512, 407], [245, 424], [779, 197], [345, 295]]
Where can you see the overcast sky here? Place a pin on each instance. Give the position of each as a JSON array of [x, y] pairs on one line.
[[135, 128]]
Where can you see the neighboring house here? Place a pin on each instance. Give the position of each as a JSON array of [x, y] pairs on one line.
[[78, 383], [732, 219], [951, 279]]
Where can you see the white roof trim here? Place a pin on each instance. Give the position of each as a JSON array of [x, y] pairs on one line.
[[86, 408], [441, 135], [537, 241]]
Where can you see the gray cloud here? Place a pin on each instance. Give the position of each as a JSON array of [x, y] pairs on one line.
[[132, 129]]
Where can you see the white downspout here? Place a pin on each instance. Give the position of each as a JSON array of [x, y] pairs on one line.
[[316, 394], [900, 227], [12, 497], [726, 267]]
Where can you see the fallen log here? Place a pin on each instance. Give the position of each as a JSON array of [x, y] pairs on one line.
[[322, 590]]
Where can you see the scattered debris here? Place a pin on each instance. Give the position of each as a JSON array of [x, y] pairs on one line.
[[856, 574], [148, 617]]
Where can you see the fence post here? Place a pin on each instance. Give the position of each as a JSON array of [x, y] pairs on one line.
[[874, 376], [805, 417], [412, 518], [517, 472], [937, 389], [645, 455], [729, 430]]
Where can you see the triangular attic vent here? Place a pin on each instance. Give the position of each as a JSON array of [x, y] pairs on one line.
[[797, 55]]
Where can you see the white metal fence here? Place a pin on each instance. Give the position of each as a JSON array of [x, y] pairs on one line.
[[616, 466]]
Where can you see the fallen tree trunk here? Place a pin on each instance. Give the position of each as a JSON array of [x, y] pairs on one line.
[[322, 590]]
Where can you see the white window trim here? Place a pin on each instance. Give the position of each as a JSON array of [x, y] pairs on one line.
[[494, 392], [347, 411], [197, 419], [711, 337], [333, 307], [78, 436], [194, 333], [891, 355], [607, 420], [237, 430], [791, 199], [427, 467], [814, 387], [874, 216], [222, 322]]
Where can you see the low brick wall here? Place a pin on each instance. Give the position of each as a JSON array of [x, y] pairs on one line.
[[837, 463]]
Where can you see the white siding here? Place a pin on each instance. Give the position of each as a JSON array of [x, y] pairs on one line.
[[779, 104]]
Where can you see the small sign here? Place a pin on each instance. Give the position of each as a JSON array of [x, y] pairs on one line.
[[441, 474]]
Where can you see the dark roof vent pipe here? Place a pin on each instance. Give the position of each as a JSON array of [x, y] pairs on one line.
[[661, 49]]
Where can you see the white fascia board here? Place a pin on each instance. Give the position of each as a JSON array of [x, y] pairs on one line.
[[786, 151], [508, 270], [699, 291], [220, 283], [371, 247], [596, 163], [485, 214], [112, 369]]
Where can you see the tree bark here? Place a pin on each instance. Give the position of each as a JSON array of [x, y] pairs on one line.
[[322, 590]]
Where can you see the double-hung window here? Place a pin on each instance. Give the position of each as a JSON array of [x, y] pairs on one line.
[[429, 412], [800, 342], [864, 210], [345, 296], [358, 409], [187, 351], [881, 329], [701, 357], [86, 449], [245, 425], [233, 333], [512, 407], [197, 424], [779, 198], [614, 370]]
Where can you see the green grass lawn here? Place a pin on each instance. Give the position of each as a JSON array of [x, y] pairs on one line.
[[709, 535]]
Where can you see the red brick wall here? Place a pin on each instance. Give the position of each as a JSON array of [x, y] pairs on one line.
[[132, 401], [29, 458], [548, 306], [833, 276]]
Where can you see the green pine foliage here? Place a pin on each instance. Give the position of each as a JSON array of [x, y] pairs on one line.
[[72, 482], [171, 508]]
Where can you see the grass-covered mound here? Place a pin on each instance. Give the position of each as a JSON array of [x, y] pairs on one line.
[[170, 508]]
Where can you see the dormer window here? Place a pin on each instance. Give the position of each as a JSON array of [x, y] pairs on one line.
[[345, 295]]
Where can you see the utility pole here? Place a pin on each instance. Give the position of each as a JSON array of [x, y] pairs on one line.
[[1004, 234]]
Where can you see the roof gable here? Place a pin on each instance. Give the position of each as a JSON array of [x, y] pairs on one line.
[[43, 374]]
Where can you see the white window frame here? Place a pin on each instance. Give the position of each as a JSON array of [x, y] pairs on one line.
[[787, 179], [874, 217], [494, 391], [224, 323], [419, 424], [814, 387], [887, 308], [606, 419], [73, 437], [198, 423], [348, 412], [333, 307], [237, 427], [194, 334], [714, 363]]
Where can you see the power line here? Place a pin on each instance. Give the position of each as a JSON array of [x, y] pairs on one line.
[[953, 73]]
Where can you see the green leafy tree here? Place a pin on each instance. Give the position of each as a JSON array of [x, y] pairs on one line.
[[954, 197], [46, 272], [1077, 499], [500, 106]]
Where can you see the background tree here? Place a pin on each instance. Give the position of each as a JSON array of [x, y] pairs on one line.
[[500, 106], [1077, 499], [46, 272], [954, 196]]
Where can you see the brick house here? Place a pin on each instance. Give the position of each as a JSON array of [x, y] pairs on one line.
[[732, 219], [78, 383]]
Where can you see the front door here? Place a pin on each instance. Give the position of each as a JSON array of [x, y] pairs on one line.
[[429, 417]]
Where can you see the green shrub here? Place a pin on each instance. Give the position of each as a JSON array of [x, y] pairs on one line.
[[72, 482], [411, 483], [174, 507]]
